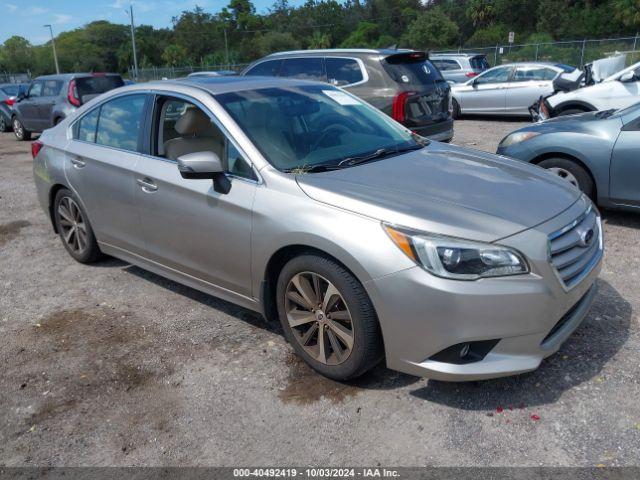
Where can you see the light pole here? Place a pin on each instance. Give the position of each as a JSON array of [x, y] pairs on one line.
[[133, 42], [53, 44]]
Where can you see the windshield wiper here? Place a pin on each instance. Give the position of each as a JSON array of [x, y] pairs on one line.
[[605, 113], [320, 167], [381, 152]]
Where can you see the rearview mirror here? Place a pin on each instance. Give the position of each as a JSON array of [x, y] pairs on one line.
[[628, 76], [204, 166]]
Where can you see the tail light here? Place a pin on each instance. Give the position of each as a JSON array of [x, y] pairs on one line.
[[10, 101], [471, 74], [72, 94], [399, 106], [35, 148]]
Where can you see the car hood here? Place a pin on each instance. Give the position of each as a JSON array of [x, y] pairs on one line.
[[447, 190]]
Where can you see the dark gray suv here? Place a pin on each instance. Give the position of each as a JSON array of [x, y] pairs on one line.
[[49, 99], [402, 83]]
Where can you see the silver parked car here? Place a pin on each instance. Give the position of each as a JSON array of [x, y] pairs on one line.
[[459, 67], [300, 201], [596, 152], [507, 89]]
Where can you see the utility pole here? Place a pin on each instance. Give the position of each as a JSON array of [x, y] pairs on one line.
[[133, 42], [53, 44]]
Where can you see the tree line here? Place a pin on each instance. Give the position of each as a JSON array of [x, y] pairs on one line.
[[238, 34]]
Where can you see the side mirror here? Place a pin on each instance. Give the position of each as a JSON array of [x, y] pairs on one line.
[[204, 166], [628, 76], [21, 96]]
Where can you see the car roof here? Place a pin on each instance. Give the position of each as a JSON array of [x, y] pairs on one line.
[[225, 84], [530, 64], [67, 76], [352, 51], [433, 55]]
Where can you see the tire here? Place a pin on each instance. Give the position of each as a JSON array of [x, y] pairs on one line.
[[566, 169], [4, 126], [19, 131], [455, 114], [348, 300], [571, 111], [68, 214]]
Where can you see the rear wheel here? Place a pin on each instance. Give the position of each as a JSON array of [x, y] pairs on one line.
[[19, 131], [74, 228], [571, 172], [327, 317]]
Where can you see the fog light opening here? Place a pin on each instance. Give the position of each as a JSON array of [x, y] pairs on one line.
[[464, 353]]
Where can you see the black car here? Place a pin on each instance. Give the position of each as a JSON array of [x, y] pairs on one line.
[[402, 83], [49, 99]]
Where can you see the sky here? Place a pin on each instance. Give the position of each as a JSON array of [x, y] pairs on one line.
[[27, 17]]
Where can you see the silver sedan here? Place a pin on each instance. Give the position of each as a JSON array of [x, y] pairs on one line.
[[506, 89], [300, 201]]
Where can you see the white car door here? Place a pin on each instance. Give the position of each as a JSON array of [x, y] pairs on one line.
[[486, 93], [527, 85]]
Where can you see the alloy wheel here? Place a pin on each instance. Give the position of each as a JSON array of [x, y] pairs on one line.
[[72, 225], [18, 128], [565, 175], [319, 318]]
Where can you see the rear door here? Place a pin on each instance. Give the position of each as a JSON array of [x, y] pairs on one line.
[[528, 84], [100, 166], [487, 92], [50, 92], [624, 187]]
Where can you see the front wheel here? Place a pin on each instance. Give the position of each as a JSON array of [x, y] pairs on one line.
[[327, 317], [4, 125], [19, 131], [571, 172], [74, 228], [455, 114]]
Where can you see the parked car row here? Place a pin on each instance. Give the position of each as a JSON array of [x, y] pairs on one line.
[[9, 92]]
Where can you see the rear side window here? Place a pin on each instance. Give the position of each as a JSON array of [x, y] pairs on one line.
[[479, 63], [270, 68], [87, 126], [343, 71], [51, 88], [444, 65], [119, 122], [309, 68], [97, 84]]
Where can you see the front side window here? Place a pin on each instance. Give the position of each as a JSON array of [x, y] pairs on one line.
[[307, 126], [181, 127], [120, 121], [343, 71], [270, 68], [309, 68], [496, 75], [35, 90]]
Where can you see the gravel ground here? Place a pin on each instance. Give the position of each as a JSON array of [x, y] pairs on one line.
[[113, 365]]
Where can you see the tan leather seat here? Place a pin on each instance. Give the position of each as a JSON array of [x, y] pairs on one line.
[[197, 134]]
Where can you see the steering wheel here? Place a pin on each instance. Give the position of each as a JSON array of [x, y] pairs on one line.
[[337, 129]]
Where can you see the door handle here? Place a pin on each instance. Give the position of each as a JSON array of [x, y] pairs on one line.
[[147, 185], [77, 163]]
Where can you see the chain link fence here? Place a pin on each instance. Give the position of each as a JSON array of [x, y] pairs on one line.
[[576, 52], [168, 73], [6, 77]]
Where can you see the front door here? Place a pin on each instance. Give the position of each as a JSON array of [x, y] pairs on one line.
[[188, 226], [100, 166], [624, 187], [28, 106], [487, 92], [528, 84]]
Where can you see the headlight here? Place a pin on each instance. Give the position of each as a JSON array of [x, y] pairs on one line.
[[517, 137], [455, 258]]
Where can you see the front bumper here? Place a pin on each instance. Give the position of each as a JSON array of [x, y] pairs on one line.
[[530, 315]]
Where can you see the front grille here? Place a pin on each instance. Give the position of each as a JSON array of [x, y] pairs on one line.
[[575, 249]]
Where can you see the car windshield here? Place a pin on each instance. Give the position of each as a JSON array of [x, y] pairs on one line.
[[312, 127], [635, 108], [11, 90]]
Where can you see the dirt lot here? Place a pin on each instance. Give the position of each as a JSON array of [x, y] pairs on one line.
[[112, 365]]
